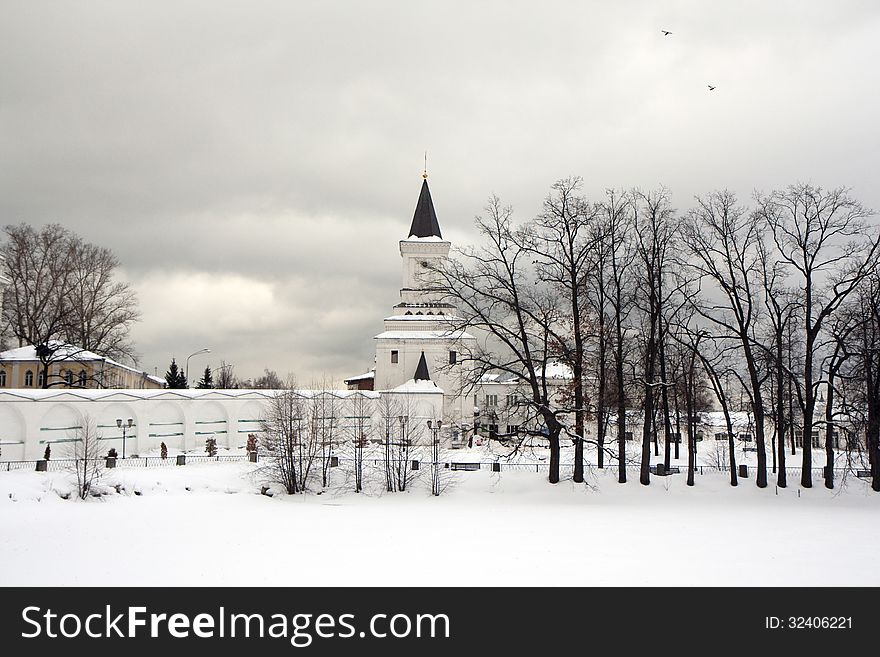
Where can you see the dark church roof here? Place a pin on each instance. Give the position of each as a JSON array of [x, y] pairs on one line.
[[424, 223], [422, 370]]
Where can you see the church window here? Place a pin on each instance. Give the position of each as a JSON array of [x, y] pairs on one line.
[[453, 357], [2, 378], [68, 378], [41, 379], [29, 379], [394, 356], [82, 378]]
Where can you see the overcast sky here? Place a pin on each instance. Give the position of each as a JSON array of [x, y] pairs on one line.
[[253, 164]]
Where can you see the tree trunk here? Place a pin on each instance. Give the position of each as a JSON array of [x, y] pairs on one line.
[[809, 408], [829, 431], [781, 479], [554, 455], [600, 401], [621, 409], [664, 397]]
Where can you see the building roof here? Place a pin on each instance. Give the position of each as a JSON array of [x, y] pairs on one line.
[[424, 223], [71, 353], [422, 370], [457, 334], [361, 377]]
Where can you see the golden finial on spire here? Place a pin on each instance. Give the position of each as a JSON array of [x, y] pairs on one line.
[[425, 170]]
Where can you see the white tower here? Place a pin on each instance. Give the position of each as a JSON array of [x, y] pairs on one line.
[[421, 321]]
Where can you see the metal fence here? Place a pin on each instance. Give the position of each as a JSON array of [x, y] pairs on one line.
[[566, 468]]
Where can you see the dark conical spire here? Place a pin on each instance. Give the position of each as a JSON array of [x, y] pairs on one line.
[[422, 370], [424, 223]]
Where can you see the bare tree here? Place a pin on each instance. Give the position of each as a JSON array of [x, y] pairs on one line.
[[840, 328], [268, 381], [86, 462], [822, 236], [102, 309], [359, 410], [325, 418], [617, 257], [722, 242], [781, 306], [226, 379], [864, 373], [62, 292], [562, 243], [654, 235], [288, 443], [499, 295]]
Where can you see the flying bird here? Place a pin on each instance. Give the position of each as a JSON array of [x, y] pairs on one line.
[[666, 32], [711, 88]]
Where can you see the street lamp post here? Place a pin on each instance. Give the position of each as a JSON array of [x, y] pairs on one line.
[[124, 426], [195, 353]]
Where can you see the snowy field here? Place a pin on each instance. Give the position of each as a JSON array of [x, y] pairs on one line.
[[208, 524]]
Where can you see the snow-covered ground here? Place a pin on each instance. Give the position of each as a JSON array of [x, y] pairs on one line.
[[208, 524]]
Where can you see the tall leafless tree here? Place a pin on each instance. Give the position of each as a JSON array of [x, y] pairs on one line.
[[500, 297], [63, 297], [85, 460], [562, 243], [722, 241], [822, 236], [654, 232]]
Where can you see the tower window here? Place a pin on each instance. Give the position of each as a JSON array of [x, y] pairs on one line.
[[453, 358], [394, 356]]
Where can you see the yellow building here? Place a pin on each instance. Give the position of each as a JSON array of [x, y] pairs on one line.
[[72, 367]]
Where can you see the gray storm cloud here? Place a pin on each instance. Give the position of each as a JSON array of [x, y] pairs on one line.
[[253, 164]]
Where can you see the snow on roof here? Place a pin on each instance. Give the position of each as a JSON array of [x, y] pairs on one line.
[[420, 386], [430, 238], [419, 318], [69, 352], [362, 377], [716, 418], [424, 335], [553, 371], [558, 371], [63, 351]]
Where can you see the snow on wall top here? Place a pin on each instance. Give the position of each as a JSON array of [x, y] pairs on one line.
[[117, 394]]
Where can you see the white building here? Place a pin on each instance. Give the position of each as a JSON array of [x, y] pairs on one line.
[[421, 324]]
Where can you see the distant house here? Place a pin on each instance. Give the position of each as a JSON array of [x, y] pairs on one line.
[[361, 381], [72, 367]]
